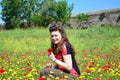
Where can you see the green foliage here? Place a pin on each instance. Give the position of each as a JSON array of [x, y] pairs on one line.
[[36, 12], [62, 11], [51, 10], [29, 8], [82, 17], [11, 10], [42, 16]]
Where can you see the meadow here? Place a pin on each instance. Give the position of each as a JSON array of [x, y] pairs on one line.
[[23, 52]]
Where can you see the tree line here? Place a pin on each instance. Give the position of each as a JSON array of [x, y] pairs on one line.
[[28, 13]]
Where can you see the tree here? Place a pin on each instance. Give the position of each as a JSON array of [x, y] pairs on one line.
[[51, 10], [43, 17], [40, 12], [10, 13], [29, 7], [62, 11]]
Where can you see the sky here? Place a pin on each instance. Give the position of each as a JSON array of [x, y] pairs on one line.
[[81, 6]]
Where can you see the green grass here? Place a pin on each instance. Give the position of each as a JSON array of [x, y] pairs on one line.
[[38, 39], [21, 46]]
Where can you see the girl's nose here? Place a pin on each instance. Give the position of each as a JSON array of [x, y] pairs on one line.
[[53, 37]]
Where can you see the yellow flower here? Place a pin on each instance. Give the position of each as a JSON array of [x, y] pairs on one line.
[[81, 77], [51, 72], [29, 75], [14, 73], [57, 78], [118, 73], [66, 77], [92, 69], [50, 75], [18, 62], [101, 75], [83, 73], [10, 70], [98, 65], [99, 70]]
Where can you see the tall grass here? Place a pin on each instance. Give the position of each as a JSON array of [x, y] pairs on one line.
[[39, 39]]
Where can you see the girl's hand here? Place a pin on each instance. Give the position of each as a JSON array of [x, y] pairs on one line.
[[52, 57], [48, 65]]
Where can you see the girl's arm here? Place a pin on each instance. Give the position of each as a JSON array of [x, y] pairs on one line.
[[67, 64]]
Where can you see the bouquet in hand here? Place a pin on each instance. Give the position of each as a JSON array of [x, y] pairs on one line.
[[50, 51]]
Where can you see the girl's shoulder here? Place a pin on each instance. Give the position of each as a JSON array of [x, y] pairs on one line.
[[66, 49]]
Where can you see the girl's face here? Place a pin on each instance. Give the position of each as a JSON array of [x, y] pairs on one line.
[[56, 37]]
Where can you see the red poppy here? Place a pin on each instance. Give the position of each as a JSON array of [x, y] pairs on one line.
[[92, 63], [28, 64], [91, 66], [109, 79], [106, 67], [2, 71], [50, 50], [41, 78], [30, 69], [88, 71], [24, 74], [98, 78], [116, 64]]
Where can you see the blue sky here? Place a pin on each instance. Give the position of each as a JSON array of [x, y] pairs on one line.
[[89, 5], [93, 5]]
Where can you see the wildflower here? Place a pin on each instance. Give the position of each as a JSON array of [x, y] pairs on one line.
[[2, 71], [28, 64], [57, 78], [105, 68], [98, 78], [51, 72], [62, 79], [83, 50], [109, 79], [41, 78], [60, 67], [88, 71], [30, 69], [66, 77], [92, 63], [99, 70], [116, 63], [90, 66], [50, 50], [24, 74]]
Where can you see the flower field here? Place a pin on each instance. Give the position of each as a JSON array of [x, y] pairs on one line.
[[23, 53]]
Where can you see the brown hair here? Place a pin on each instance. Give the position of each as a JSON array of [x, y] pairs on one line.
[[57, 48]]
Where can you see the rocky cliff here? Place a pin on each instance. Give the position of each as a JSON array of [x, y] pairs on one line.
[[102, 17]]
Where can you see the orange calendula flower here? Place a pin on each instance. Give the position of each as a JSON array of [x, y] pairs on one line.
[[60, 67]]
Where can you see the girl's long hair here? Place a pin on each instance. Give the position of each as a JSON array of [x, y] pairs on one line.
[[57, 47]]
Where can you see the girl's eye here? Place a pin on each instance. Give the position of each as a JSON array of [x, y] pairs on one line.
[[53, 35]]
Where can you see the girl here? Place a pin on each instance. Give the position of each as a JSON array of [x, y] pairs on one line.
[[63, 55]]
